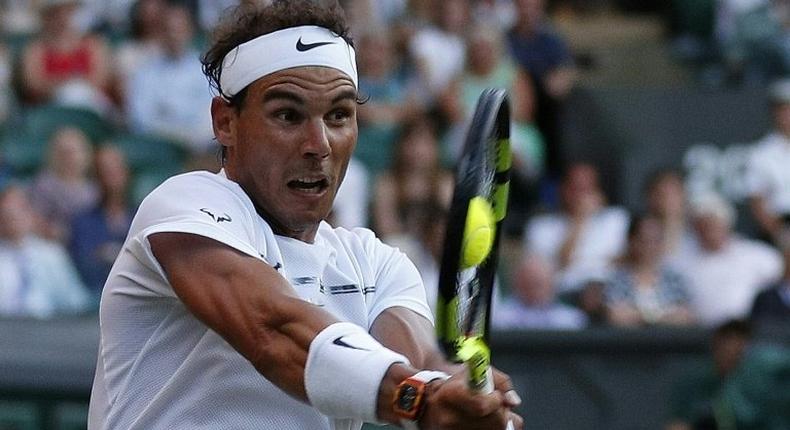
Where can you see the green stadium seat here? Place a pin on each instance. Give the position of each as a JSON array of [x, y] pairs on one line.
[[24, 145], [18, 416], [151, 153]]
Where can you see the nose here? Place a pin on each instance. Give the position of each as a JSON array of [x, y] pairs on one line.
[[316, 141]]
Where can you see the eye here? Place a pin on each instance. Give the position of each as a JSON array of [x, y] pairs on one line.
[[287, 115], [339, 116]]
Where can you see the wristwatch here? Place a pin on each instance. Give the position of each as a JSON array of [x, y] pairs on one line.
[[409, 400]]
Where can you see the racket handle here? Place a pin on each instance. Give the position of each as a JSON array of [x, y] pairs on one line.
[[489, 388]]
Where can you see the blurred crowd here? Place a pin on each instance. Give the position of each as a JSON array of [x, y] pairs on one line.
[[127, 73]]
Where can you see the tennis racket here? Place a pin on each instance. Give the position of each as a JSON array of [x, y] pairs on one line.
[[481, 178]]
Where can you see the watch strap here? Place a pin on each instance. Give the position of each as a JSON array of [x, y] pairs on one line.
[[425, 377]]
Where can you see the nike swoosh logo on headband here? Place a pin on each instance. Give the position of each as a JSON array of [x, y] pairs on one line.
[[302, 47]]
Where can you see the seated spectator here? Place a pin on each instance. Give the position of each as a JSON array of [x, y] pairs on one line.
[[772, 305], [416, 177], [392, 100], [65, 65], [540, 51], [144, 42], [665, 195], [752, 37], [695, 397], [532, 302], [37, 278], [439, 50], [488, 66], [63, 188], [168, 95], [19, 17], [98, 233], [725, 271], [425, 246], [350, 209], [768, 175], [585, 236], [642, 290]]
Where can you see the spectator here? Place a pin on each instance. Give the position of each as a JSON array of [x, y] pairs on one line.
[[36, 276], [772, 305], [145, 42], [665, 195], [416, 177], [487, 66], [63, 189], [168, 95], [533, 303], [753, 38], [19, 17], [643, 290], [696, 397], [63, 64], [443, 36], [585, 236], [350, 209], [98, 233], [425, 246], [725, 271], [540, 51], [392, 102], [768, 173]]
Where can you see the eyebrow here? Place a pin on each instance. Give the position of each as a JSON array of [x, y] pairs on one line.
[[282, 94], [346, 94]]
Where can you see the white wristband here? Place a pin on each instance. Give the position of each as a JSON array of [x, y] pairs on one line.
[[345, 366]]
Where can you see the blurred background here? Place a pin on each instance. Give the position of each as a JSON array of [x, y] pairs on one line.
[[645, 276]]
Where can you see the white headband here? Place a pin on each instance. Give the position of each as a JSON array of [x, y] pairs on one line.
[[283, 49]]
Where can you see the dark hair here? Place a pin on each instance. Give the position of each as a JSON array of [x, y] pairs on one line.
[[659, 175], [635, 222], [738, 327], [250, 19]]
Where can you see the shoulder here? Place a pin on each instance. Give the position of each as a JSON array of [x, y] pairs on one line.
[[203, 194]]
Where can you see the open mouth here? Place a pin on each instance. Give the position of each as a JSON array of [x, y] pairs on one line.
[[309, 185]]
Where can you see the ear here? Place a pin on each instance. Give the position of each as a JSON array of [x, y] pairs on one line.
[[223, 120]]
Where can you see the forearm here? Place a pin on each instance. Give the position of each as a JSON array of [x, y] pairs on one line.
[[246, 302]]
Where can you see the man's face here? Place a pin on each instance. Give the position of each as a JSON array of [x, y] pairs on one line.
[[290, 143]]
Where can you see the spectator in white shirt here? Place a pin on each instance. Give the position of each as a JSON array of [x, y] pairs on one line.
[[585, 236], [532, 302], [768, 177], [725, 272], [37, 277], [168, 95]]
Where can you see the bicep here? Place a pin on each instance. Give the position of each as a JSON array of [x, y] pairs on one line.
[[245, 301]]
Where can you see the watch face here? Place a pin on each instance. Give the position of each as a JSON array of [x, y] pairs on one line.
[[407, 398]]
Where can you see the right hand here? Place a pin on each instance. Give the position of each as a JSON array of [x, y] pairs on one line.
[[452, 405]]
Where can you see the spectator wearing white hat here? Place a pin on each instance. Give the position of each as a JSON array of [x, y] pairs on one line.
[[768, 176], [725, 271]]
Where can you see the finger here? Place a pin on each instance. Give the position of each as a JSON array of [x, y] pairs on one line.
[[512, 399], [516, 420], [502, 382]]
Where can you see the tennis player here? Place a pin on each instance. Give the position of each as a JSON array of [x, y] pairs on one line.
[[233, 305]]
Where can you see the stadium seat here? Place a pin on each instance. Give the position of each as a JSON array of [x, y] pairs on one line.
[[18, 416], [146, 152], [24, 145]]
